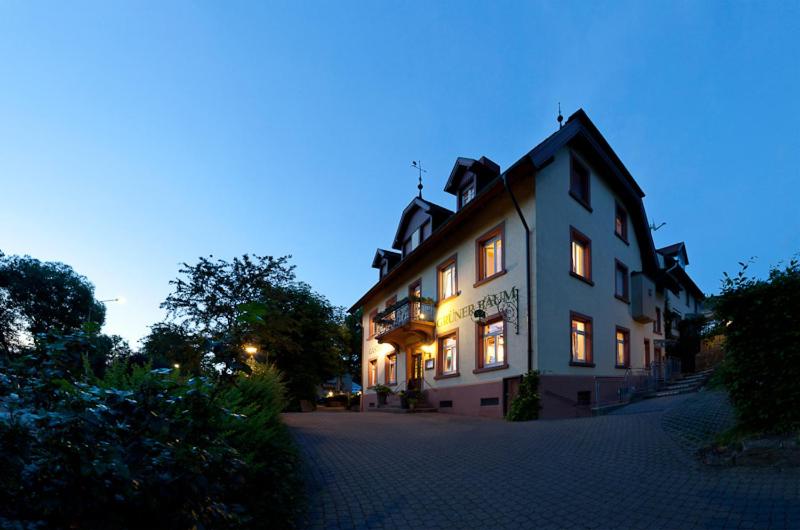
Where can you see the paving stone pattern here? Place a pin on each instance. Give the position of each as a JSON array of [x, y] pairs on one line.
[[694, 422], [439, 471]]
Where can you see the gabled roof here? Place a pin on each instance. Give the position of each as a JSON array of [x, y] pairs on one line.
[[578, 132], [392, 256], [484, 167], [673, 249], [437, 213], [581, 134]]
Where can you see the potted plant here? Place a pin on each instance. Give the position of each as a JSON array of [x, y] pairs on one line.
[[383, 392], [412, 398]]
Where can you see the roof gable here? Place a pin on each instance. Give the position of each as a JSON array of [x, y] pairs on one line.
[[484, 170], [388, 255], [674, 250], [581, 134], [437, 215]]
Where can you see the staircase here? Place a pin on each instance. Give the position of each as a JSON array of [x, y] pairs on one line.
[[683, 384]]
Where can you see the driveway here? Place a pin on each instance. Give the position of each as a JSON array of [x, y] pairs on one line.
[[632, 469]]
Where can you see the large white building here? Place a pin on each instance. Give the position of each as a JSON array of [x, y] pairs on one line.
[[549, 265]]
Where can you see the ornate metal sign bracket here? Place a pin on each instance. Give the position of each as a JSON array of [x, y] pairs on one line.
[[507, 304]]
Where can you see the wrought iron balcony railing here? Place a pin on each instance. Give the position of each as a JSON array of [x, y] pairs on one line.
[[402, 313]]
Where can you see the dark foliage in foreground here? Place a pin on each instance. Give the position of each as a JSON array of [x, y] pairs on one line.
[[762, 348], [141, 448]]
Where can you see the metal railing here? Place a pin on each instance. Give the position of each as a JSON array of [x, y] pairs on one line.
[[609, 390], [403, 312]]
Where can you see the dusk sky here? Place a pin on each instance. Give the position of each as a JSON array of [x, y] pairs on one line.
[[135, 136]]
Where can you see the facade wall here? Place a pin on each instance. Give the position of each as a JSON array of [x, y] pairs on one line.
[[558, 292], [462, 243]]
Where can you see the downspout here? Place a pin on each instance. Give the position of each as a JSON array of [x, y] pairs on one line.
[[527, 270]]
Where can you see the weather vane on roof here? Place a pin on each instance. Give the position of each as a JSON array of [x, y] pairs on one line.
[[417, 164]]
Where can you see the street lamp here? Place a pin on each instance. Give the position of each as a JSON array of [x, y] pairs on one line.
[[119, 300], [252, 350]]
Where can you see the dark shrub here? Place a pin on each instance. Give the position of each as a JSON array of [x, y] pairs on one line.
[[152, 450], [762, 348], [526, 405]]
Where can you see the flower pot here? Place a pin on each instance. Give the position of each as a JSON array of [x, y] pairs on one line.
[[382, 399]]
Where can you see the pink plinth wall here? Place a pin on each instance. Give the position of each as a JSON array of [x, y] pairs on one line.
[[467, 399]]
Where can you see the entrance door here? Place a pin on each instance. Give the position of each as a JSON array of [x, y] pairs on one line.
[[415, 374], [510, 391]]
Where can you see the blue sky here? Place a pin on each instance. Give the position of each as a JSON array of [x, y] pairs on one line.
[[135, 136]]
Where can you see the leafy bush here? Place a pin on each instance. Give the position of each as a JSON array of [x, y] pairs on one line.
[[526, 405], [762, 347], [140, 449]]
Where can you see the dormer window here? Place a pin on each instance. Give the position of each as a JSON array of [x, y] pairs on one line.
[[417, 236], [466, 195]]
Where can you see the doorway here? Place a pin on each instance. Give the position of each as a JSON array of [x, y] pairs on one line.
[[415, 373]]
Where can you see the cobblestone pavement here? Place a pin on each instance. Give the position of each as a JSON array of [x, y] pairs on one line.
[[373, 470]]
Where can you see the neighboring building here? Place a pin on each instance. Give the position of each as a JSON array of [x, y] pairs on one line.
[[549, 265]]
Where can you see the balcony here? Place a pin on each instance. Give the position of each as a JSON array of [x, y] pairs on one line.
[[406, 322]]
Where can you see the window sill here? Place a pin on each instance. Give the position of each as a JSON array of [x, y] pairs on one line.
[[582, 278], [391, 384], [582, 364], [622, 299], [622, 366], [581, 201], [443, 300], [490, 368], [447, 376], [489, 278], [624, 240]]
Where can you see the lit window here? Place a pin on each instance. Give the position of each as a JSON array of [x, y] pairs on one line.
[[581, 261], [490, 253], [581, 339], [621, 281], [621, 223], [493, 256], [467, 194], [372, 376], [623, 347], [579, 183], [449, 355], [447, 279], [494, 353], [391, 369]]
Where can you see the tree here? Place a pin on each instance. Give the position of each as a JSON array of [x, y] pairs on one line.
[[169, 344], [36, 297], [300, 332], [352, 333], [207, 297], [256, 301]]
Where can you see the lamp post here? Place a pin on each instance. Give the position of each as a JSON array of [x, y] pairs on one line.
[[119, 299]]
